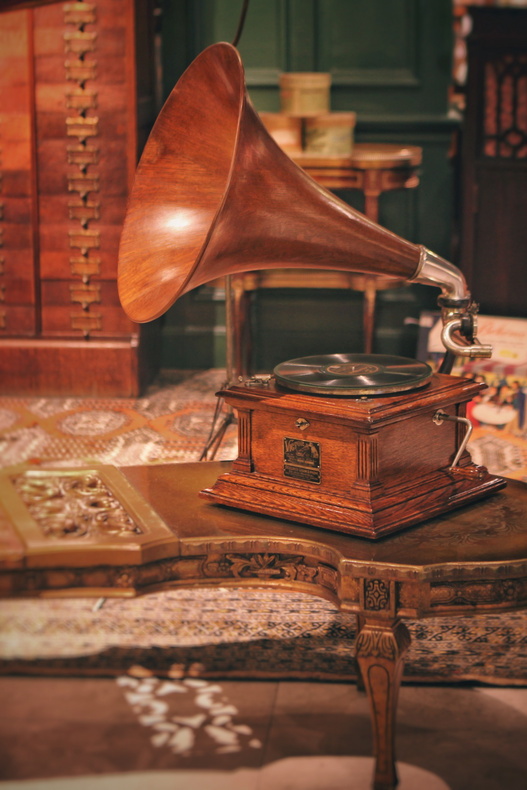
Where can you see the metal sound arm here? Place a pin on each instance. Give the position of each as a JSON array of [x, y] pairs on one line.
[[458, 311]]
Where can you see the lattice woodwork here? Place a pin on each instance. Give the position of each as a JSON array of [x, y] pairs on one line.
[[505, 107]]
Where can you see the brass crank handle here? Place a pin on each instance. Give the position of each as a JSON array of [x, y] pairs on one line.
[[440, 417]]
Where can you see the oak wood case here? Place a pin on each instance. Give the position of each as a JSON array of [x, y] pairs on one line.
[[380, 463]]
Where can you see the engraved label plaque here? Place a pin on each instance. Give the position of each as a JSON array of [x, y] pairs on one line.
[[84, 293], [301, 460], [82, 128], [84, 212], [85, 267], [81, 100], [81, 70], [83, 184], [86, 322], [79, 13], [79, 42], [84, 239], [82, 155]]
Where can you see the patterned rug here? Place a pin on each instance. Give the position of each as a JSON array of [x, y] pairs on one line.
[[170, 423], [216, 633], [257, 634]]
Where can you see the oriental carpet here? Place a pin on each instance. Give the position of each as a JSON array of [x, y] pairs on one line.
[[218, 632]]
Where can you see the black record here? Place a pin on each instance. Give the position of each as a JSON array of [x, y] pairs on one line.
[[352, 374]]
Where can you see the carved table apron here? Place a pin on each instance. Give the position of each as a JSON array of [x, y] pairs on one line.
[[102, 531]]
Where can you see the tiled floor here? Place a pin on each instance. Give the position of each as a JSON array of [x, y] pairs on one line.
[[108, 734]]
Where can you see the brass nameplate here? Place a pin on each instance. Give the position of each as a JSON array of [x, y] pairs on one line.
[[82, 155], [82, 127], [301, 460], [85, 267], [84, 239], [85, 293], [83, 183], [86, 322], [81, 70], [79, 13], [81, 100], [84, 212], [79, 42]]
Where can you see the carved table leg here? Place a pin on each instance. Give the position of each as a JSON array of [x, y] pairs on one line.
[[380, 650]]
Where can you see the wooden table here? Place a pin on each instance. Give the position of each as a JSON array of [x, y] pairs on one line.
[[104, 531], [373, 168]]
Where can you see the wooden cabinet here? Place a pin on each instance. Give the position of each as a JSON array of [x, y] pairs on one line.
[[76, 103], [494, 161]]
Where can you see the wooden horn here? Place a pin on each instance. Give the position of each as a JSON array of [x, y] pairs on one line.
[[214, 195]]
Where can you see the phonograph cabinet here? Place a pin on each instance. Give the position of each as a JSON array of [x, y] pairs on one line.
[[76, 105]]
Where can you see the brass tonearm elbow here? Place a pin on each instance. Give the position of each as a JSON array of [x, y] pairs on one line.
[[458, 312]]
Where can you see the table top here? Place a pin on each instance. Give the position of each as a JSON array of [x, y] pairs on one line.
[[372, 156], [168, 519], [493, 530]]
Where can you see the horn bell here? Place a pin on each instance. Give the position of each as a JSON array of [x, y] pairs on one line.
[[215, 195]]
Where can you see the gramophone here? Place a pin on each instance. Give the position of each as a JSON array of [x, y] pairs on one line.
[[362, 444]]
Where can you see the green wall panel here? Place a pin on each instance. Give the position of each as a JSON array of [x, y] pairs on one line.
[[387, 57], [263, 45], [384, 56], [370, 43]]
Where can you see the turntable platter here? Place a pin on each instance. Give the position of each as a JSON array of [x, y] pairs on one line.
[[352, 374]]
